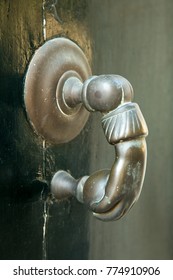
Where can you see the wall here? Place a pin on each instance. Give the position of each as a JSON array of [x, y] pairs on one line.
[[134, 39]]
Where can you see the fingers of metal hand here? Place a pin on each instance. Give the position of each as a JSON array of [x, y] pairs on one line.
[[117, 212]]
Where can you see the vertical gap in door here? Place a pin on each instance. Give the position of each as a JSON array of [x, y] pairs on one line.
[[44, 20], [45, 204], [45, 207]]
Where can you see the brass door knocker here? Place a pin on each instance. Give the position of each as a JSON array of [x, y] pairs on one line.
[[59, 94]]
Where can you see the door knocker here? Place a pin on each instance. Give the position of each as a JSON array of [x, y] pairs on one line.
[[59, 93]]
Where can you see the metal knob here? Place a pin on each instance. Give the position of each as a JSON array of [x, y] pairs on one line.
[[109, 193]]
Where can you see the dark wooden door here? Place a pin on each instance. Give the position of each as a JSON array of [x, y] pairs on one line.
[[131, 38], [32, 226]]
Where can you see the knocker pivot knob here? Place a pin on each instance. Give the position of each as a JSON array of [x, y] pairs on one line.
[[59, 94]]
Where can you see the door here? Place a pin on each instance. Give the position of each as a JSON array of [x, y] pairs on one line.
[[32, 225], [130, 38]]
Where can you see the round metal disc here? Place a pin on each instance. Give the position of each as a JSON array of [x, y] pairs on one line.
[[52, 64]]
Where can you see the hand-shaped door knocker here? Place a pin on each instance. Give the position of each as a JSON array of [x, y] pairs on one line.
[[59, 94]]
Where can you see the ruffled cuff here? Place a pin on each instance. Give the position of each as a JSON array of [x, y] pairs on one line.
[[124, 123]]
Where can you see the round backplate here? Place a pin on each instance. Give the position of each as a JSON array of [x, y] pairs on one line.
[[52, 64]]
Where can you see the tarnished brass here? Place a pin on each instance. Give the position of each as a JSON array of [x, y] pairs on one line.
[[108, 193], [52, 64]]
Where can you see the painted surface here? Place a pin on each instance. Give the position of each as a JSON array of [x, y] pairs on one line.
[[134, 39]]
